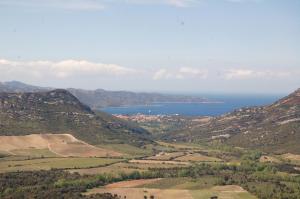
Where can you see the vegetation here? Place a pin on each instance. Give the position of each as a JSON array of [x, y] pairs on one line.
[[54, 163], [102, 98], [261, 179], [207, 166], [274, 128], [45, 184], [59, 112]]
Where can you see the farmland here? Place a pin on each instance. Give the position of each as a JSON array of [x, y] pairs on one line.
[[64, 145], [166, 170], [196, 157], [171, 188], [53, 163]]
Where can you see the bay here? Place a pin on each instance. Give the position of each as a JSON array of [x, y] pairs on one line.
[[225, 104]]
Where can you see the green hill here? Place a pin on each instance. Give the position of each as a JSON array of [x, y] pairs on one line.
[[58, 111], [273, 128], [100, 98]]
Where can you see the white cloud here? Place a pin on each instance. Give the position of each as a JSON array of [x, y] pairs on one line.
[[160, 74], [59, 4], [248, 74], [178, 3], [61, 69], [95, 5], [69, 69], [193, 72], [180, 73], [238, 73], [90, 4]]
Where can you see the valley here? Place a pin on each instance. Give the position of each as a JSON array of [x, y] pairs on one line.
[[168, 171], [149, 99], [97, 155]]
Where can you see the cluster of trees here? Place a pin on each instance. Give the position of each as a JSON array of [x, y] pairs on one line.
[[260, 179], [42, 184]]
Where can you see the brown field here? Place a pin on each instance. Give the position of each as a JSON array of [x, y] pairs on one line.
[[138, 193], [229, 188], [166, 156], [159, 162], [132, 183], [223, 192], [271, 159], [64, 145], [293, 158], [196, 157]]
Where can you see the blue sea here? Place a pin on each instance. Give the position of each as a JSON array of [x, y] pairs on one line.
[[228, 104]]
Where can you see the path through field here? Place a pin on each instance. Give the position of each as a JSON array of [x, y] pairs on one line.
[[127, 189], [132, 183], [64, 145]]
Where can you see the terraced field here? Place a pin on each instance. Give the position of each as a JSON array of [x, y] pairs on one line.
[[181, 156]]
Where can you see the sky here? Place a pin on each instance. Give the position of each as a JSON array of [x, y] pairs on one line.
[[179, 46]]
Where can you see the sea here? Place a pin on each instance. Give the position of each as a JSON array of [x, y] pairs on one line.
[[221, 104]]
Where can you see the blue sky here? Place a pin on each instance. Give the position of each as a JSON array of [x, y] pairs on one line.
[[193, 46]]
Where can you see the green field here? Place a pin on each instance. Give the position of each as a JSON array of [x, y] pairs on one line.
[[53, 163], [129, 150], [221, 171], [184, 183], [34, 153], [171, 188]]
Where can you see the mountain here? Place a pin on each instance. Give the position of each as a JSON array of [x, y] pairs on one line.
[[100, 98], [16, 87], [58, 111], [273, 128]]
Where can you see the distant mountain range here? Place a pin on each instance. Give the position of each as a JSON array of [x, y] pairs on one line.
[[273, 128], [58, 111], [100, 98], [35, 110]]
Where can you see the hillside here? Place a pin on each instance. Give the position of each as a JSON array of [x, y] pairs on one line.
[[59, 111], [273, 128], [16, 87], [100, 98], [62, 145]]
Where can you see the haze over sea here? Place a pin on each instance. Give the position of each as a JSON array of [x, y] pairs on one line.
[[228, 103]]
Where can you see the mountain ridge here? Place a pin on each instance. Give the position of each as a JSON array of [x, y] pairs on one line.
[[272, 128], [59, 111], [100, 98]]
